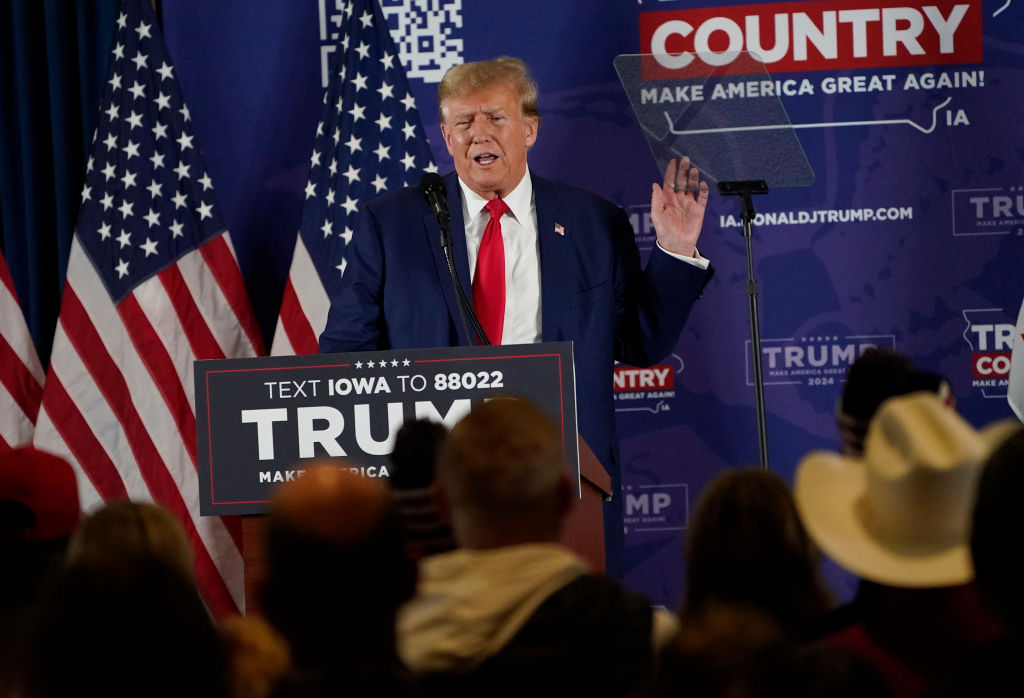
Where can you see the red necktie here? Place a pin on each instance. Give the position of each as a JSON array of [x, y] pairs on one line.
[[489, 279]]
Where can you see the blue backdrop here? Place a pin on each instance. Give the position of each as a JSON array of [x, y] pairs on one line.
[[908, 237]]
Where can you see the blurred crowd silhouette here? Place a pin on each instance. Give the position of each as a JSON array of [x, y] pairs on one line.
[[450, 580]]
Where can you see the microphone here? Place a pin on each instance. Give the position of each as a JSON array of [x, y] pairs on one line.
[[432, 188]]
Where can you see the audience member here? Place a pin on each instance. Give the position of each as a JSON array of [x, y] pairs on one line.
[[512, 605], [875, 376], [899, 517], [414, 461], [122, 624], [38, 511], [724, 650], [337, 570], [997, 530], [258, 657], [746, 545], [124, 528]]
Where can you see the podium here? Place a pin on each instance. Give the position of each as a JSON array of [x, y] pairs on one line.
[[258, 420]]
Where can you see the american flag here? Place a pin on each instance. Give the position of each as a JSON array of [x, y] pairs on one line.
[[21, 375], [369, 140], [152, 284]]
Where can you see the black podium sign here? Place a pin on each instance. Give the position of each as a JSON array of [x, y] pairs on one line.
[[260, 421]]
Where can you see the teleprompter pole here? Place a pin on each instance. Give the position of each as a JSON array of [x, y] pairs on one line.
[[744, 190]]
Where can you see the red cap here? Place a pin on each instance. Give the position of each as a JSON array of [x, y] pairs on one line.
[[45, 483]]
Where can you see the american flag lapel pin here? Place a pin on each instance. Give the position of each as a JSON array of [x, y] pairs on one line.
[[559, 229]]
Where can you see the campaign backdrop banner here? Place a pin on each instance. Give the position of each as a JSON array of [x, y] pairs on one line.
[[909, 236], [260, 421]]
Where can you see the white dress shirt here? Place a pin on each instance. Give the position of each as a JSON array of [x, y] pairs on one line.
[[522, 257]]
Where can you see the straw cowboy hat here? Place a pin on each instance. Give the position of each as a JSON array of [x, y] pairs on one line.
[[900, 514]]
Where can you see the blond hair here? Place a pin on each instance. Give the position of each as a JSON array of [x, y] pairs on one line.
[[467, 78]]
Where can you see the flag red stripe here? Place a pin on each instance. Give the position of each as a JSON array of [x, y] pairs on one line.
[[19, 381], [295, 323], [224, 267], [162, 487], [4, 446], [78, 435], [197, 331], [161, 370]]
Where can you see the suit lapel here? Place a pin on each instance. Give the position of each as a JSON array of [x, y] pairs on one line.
[[554, 257], [458, 229]]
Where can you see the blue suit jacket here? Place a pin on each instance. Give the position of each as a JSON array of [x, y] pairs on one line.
[[396, 291]]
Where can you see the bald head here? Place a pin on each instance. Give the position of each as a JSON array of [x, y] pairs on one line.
[[337, 567], [334, 505]]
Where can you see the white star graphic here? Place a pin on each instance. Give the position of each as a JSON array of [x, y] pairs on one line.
[[409, 131], [143, 30], [431, 167], [383, 122], [370, 364], [134, 120], [385, 91], [108, 201], [206, 182], [314, 161], [149, 247], [176, 229], [128, 179], [394, 363], [330, 197], [205, 211], [352, 175], [104, 231], [333, 167], [157, 159], [387, 60], [346, 235], [185, 141], [86, 193], [112, 112], [140, 61], [359, 364], [341, 267], [326, 229], [409, 161], [126, 212], [115, 82], [367, 19], [122, 269], [379, 184], [153, 218], [408, 102], [382, 151], [109, 171], [163, 101], [359, 81], [363, 50], [185, 113], [132, 150], [154, 189], [160, 130], [405, 362], [110, 141], [165, 71], [358, 112], [354, 143], [122, 21], [137, 89], [310, 189], [182, 170], [350, 205], [125, 238]]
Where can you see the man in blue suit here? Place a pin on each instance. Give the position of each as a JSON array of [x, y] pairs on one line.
[[570, 262]]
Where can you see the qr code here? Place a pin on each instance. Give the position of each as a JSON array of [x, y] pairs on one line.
[[426, 32]]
